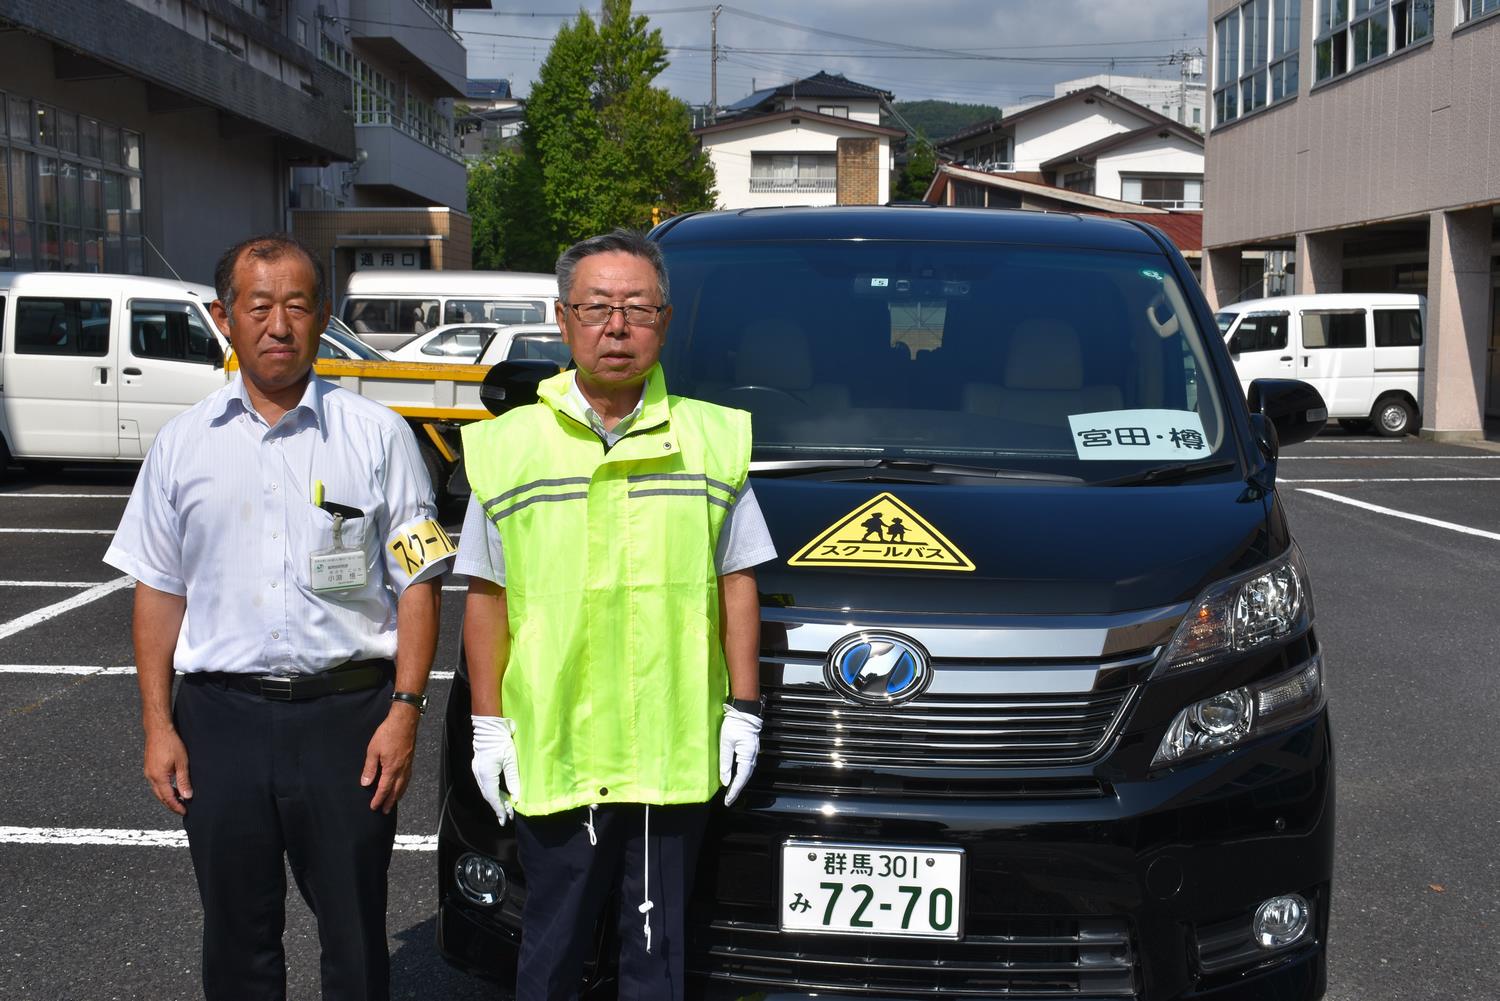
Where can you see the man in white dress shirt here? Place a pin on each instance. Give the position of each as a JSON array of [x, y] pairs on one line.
[[283, 538]]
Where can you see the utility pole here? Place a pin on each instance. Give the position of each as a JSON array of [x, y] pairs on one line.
[[1189, 64], [713, 65]]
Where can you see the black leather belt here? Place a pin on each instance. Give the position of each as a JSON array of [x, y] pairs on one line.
[[353, 676]]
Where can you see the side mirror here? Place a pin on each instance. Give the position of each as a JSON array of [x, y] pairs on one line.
[[1295, 409], [512, 384]]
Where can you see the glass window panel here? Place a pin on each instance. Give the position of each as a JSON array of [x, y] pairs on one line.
[[20, 118], [3, 116], [23, 254], [67, 188], [5, 211], [1379, 36], [171, 330], [49, 247], [1421, 19], [7, 260], [92, 198], [88, 138], [114, 253], [132, 143], [62, 326], [46, 201], [1260, 332], [135, 256], [22, 181], [132, 191], [109, 144], [1398, 328], [1284, 33], [1255, 26], [72, 249], [111, 187], [46, 125], [93, 251], [67, 132], [1333, 329]]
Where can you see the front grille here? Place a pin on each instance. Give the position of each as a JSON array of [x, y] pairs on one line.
[[812, 725], [1029, 958]]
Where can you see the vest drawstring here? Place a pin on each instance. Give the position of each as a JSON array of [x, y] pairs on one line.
[[646, 903], [593, 837]]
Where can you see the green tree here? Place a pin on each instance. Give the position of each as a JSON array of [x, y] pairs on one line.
[[916, 176], [601, 147]]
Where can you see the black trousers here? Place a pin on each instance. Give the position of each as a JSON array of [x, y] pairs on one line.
[[568, 880], [273, 779]]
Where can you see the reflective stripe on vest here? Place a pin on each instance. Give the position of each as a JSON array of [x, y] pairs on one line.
[[616, 676]]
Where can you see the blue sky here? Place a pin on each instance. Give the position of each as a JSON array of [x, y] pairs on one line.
[[980, 51]]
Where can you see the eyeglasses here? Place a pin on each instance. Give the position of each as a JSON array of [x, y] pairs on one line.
[[597, 314]]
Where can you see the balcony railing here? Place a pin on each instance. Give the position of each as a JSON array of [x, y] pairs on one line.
[[423, 136], [437, 15], [794, 184]]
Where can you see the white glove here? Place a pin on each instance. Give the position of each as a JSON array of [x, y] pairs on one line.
[[494, 755], [739, 740]]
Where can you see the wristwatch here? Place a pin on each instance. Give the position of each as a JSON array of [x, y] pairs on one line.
[[413, 699], [755, 707]]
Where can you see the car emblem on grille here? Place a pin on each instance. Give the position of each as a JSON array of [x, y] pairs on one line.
[[878, 668]]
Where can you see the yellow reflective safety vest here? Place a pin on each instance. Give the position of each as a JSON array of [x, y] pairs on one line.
[[616, 678]]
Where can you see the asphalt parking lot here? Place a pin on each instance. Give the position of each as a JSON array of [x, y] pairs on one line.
[[1402, 539]]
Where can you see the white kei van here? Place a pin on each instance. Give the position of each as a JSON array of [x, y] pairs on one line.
[[1362, 351], [387, 308], [92, 365]]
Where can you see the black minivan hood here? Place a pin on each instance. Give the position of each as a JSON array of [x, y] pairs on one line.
[[1036, 549]]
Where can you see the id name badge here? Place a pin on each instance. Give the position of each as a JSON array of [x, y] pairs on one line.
[[338, 568]]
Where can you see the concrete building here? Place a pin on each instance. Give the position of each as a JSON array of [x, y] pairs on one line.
[[398, 201], [141, 133], [816, 141], [1091, 141], [1363, 141]]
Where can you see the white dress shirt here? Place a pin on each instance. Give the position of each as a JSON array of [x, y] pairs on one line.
[[223, 513], [744, 539]]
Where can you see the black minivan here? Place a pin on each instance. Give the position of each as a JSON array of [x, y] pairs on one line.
[[1045, 704]]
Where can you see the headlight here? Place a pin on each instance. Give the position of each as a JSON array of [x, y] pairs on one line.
[[1267, 604], [1231, 717]]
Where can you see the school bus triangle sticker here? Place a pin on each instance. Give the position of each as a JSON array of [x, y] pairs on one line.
[[882, 532]]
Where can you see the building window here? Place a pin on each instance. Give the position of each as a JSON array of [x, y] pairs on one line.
[[302, 32], [1163, 192], [793, 172], [834, 110], [1255, 56], [70, 191], [1197, 116], [993, 156], [1352, 33], [375, 101], [1079, 180], [1477, 8]]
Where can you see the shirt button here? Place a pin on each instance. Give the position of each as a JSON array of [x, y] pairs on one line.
[[275, 486], [273, 585], [276, 634], [275, 535]]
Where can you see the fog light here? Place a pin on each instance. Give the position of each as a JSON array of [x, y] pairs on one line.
[[1281, 921], [479, 879]]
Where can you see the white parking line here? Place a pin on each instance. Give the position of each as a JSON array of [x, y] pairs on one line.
[[52, 611], [59, 531], [1400, 479], [1392, 512], [50, 583], [150, 839], [128, 669], [22, 495]]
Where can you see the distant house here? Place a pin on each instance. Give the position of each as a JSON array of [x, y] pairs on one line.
[[816, 141], [488, 119], [1091, 141]]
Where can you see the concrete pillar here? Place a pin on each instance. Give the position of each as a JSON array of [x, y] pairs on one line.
[[1457, 335], [1221, 276], [1320, 263]]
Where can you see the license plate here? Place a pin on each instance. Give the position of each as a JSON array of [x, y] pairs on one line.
[[852, 889]]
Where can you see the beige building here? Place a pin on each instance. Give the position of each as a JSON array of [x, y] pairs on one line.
[[1363, 137]]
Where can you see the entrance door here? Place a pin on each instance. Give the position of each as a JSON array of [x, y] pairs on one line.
[[1336, 360], [1261, 348], [170, 361]]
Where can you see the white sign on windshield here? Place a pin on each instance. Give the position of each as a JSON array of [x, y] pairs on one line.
[[1138, 434]]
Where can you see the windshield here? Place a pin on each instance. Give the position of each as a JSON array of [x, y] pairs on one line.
[[355, 347], [540, 347], [1081, 363]]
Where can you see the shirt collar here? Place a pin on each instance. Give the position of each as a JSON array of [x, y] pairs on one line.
[[579, 404], [311, 403]]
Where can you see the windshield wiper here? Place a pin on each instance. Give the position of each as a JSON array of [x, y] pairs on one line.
[[1174, 472], [921, 470]]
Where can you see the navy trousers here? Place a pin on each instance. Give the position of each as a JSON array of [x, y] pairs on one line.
[[568, 881], [274, 780]]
